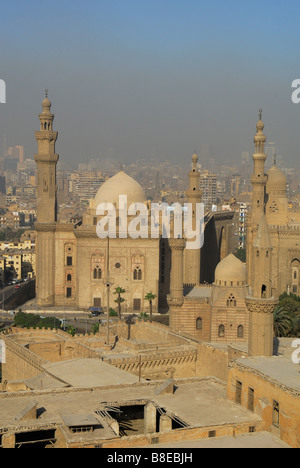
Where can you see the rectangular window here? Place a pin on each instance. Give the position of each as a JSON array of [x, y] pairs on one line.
[[136, 304], [69, 261], [97, 301], [238, 392], [69, 292], [251, 399], [275, 415]]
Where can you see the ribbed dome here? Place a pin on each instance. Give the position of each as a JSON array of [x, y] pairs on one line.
[[46, 104], [231, 272], [276, 179], [120, 184]]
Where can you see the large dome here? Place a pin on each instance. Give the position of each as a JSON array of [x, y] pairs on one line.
[[231, 272], [120, 184], [276, 180]]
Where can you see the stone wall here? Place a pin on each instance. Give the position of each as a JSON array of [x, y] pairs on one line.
[[160, 365], [266, 392], [154, 334], [159, 352], [184, 318], [24, 360], [21, 363]]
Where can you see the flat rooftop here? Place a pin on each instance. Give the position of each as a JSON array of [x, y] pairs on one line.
[[280, 367], [197, 402], [264, 440], [92, 372]]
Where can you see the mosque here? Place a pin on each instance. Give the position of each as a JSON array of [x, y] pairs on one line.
[[72, 261], [208, 292]]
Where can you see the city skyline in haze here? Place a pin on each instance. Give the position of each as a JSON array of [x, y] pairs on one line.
[[140, 80]]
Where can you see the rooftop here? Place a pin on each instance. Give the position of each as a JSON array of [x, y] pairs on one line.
[[279, 368], [90, 372]]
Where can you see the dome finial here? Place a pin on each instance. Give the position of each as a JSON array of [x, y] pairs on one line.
[[46, 104], [260, 114]]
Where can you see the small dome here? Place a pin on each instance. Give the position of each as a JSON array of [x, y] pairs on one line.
[[276, 179], [46, 104], [120, 184], [260, 126], [231, 272]]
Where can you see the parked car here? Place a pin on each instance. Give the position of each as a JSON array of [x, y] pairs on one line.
[[96, 311]]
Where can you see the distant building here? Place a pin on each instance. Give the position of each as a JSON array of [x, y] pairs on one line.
[[208, 187], [235, 185], [16, 152], [243, 208], [245, 158], [85, 185], [2, 185]]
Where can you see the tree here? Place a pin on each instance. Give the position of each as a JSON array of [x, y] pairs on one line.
[[241, 255], [95, 328], [129, 322], [296, 325], [150, 297], [120, 299], [290, 305], [30, 320], [283, 322]]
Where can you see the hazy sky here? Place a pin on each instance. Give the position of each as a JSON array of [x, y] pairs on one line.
[[131, 79]]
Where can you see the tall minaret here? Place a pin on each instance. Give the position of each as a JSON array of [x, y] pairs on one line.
[[259, 182], [46, 160], [194, 196], [262, 300], [259, 178]]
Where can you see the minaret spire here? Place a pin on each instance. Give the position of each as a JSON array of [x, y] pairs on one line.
[[46, 160], [194, 197], [259, 178]]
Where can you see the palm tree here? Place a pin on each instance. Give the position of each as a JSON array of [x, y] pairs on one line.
[[296, 325], [150, 297], [283, 322], [119, 299], [129, 321]]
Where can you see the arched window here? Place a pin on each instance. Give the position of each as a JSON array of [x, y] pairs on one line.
[[295, 275], [273, 207], [97, 273], [137, 273], [69, 277], [264, 291], [199, 323], [221, 331], [240, 331], [231, 301]]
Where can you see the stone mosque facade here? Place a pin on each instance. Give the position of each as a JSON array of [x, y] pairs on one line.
[[72, 261], [209, 293]]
